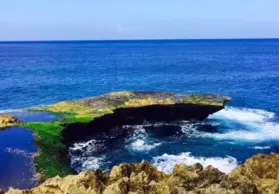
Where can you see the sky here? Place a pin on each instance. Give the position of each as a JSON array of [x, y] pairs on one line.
[[141, 19]]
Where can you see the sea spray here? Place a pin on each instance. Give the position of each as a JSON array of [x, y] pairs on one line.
[[166, 162]]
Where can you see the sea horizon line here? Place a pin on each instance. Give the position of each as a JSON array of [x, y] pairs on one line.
[[132, 40]]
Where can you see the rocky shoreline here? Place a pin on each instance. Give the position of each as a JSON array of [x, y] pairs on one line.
[[7, 120], [258, 175], [82, 118]]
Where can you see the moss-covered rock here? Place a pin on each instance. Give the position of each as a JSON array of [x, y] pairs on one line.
[[258, 175], [8, 121], [107, 103]]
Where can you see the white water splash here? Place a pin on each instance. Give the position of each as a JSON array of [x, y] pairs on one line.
[[12, 110], [167, 162], [84, 160], [258, 125], [243, 115], [139, 139], [140, 145], [261, 147]]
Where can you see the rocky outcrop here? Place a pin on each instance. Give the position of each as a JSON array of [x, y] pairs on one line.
[[7, 121], [261, 170], [82, 119], [131, 108], [259, 174]]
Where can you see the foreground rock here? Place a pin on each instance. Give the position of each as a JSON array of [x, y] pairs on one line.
[[260, 174], [261, 170], [7, 121]]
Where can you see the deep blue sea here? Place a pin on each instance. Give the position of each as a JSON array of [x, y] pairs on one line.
[[40, 73]]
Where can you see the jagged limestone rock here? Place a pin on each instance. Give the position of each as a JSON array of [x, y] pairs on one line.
[[7, 121], [259, 175], [261, 170]]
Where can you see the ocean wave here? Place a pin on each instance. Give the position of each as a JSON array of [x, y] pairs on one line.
[[261, 147], [257, 125], [86, 163], [136, 139], [21, 109], [140, 145], [82, 155], [245, 115], [167, 162], [12, 110]]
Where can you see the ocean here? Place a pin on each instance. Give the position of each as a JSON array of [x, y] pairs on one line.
[[38, 73], [41, 73]]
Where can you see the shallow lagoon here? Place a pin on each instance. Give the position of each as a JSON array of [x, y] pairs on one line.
[[17, 149]]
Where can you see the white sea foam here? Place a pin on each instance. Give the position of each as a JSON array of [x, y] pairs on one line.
[[261, 147], [243, 115], [267, 133], [82, 145], [167, 162], [140, 145], [18, 152], [92, 163], [12, 110], [258, 125], [138, 136], [81, 163], [84, 159], [21, 109]]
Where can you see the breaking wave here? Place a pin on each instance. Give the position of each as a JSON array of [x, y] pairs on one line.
[[83, 156], [167, 144], [12, 110], [248, 116], [240, 124], [141, 145], [139, 139], [261, 147], [167, 162]]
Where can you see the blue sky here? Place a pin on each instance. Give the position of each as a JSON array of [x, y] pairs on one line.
[[141, 19]]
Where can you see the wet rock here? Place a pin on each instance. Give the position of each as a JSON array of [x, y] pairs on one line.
[[7, 121]]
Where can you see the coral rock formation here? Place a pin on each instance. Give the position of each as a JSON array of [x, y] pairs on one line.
[[258, 175], [7, 120]]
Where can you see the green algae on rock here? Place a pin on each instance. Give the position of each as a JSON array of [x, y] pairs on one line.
[[259, 175], [106, 111], [104, 104], [7, 120]]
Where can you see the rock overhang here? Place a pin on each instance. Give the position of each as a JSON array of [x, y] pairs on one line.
[[122, 108]]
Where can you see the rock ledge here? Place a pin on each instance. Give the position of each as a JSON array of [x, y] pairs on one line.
[[7, 121]]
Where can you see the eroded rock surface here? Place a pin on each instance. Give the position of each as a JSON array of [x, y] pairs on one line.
[[7, 121], [260, 174], [261, 170]]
